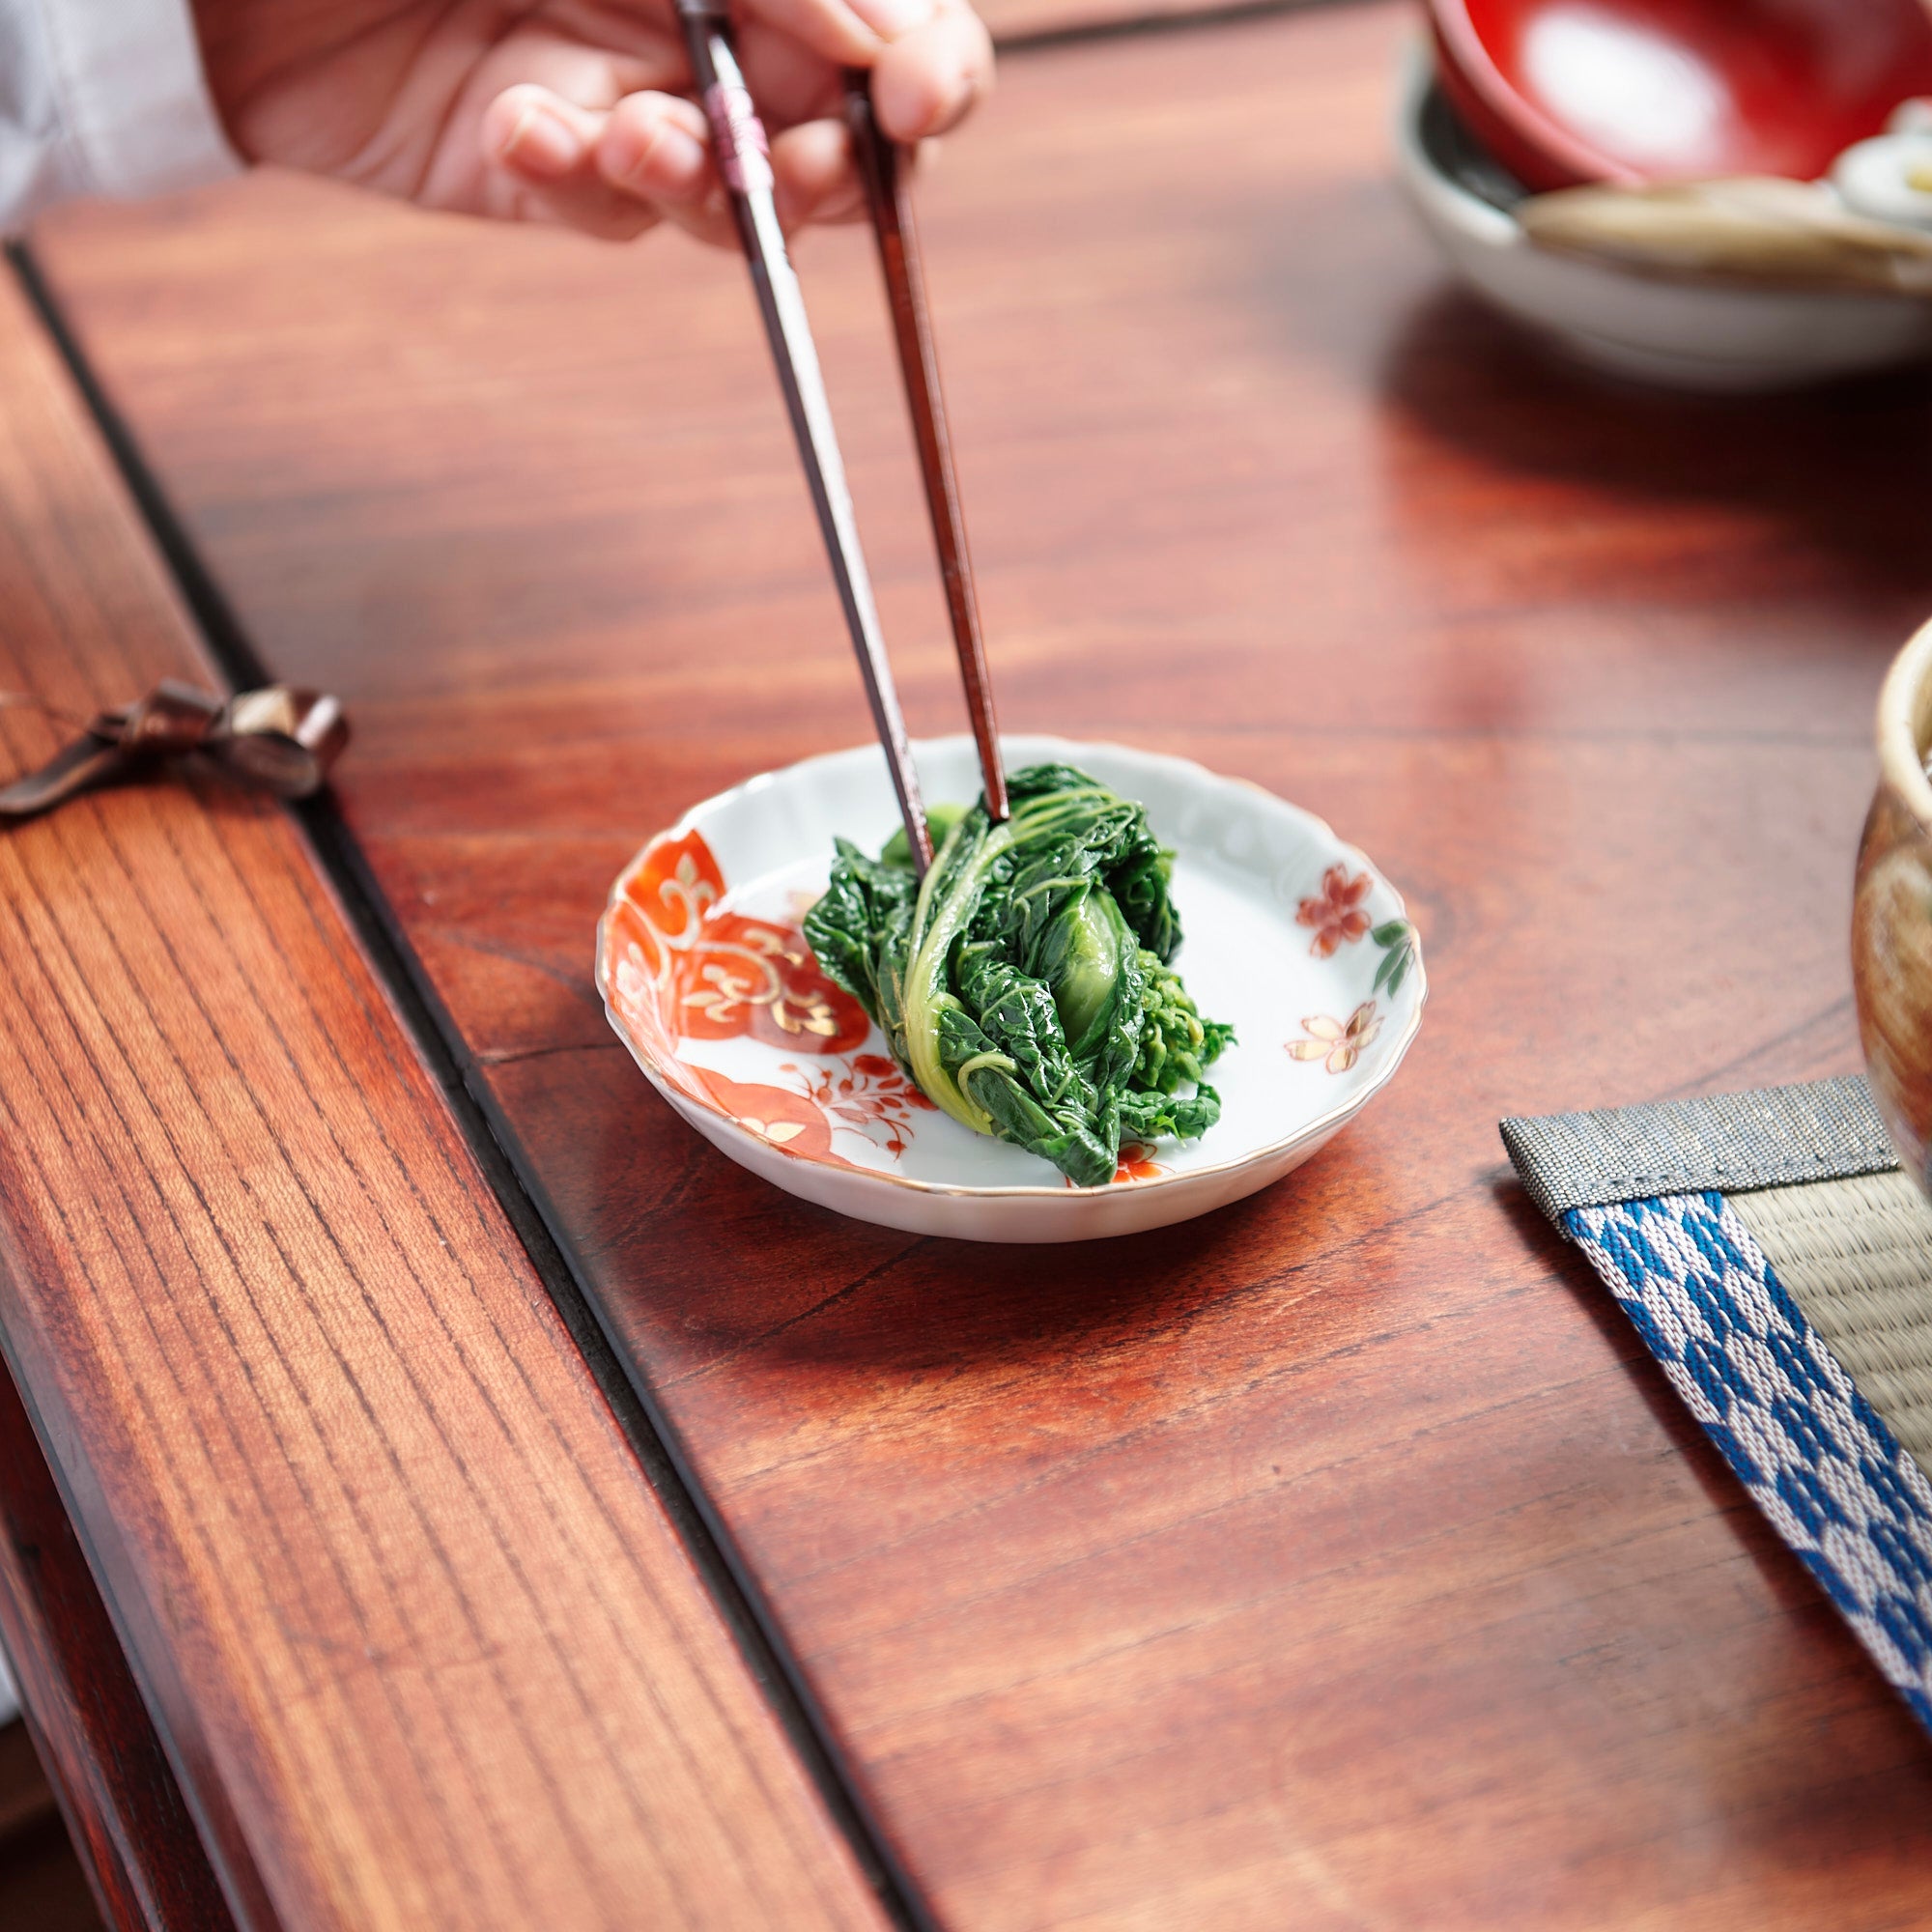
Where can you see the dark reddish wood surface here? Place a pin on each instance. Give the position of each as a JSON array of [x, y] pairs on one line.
[[42, 1883], [93, 1732], [1339, 1560], [422, 1637]]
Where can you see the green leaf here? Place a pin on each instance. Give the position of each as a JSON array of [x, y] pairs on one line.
[[1027, 987]]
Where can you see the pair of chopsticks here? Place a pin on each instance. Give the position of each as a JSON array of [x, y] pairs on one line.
[[738, 141]]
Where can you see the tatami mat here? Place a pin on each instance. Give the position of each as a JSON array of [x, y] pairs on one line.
[[1856, 1255]]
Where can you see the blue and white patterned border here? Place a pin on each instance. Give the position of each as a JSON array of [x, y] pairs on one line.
[[1815, 1457]]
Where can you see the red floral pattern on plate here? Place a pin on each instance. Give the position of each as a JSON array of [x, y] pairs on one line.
[[717, 975], [789, 1121], [865, 1094], [630, 946], [1335, 912], [729, 1016], [1136, 1164], [1337, 1043], [872, 1097], [681, 968]]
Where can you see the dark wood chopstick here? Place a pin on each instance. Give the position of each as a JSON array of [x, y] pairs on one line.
[[888, 179], [738, 142]]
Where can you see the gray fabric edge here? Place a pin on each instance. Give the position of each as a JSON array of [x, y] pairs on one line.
[[1770, 1137]]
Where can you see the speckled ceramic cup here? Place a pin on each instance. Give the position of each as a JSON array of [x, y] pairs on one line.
[[1891, 911]]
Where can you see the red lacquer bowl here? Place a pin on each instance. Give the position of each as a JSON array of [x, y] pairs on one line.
[[1570, 91]]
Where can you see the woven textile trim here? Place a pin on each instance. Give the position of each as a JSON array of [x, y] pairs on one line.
[[1820, 1130], [1816, 1458]]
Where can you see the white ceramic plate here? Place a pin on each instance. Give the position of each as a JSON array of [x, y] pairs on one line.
[[1291, 935]]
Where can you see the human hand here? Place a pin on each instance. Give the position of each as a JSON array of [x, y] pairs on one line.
[[572, 111]]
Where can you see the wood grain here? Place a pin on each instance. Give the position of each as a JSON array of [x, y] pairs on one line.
[[423, 1644], [120, 1798], [1340, 1560]]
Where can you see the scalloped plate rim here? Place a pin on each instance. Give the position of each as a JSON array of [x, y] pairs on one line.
[[1320, 1128]]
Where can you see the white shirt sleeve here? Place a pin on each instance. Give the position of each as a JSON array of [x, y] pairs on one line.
[[102, 96]]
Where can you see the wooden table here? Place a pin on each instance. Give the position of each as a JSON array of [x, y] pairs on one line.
[[1340, 1560]]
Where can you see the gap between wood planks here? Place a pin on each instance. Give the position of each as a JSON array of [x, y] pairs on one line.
[[732, 1586]]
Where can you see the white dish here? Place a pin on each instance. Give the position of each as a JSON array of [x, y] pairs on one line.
[[1291, 935], [1682, 333]]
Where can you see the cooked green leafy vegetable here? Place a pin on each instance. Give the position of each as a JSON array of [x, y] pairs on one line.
[[1025, 983]]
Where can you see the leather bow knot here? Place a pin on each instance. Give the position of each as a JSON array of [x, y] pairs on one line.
[[277, 739]]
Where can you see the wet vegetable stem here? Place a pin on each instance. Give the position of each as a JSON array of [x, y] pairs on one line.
[[1024, 983]]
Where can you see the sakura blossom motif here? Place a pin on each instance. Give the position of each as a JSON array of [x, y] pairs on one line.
[[1335, 912], [1337, 1043]]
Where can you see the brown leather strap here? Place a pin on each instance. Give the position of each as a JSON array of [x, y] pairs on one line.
[[278, 739]]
